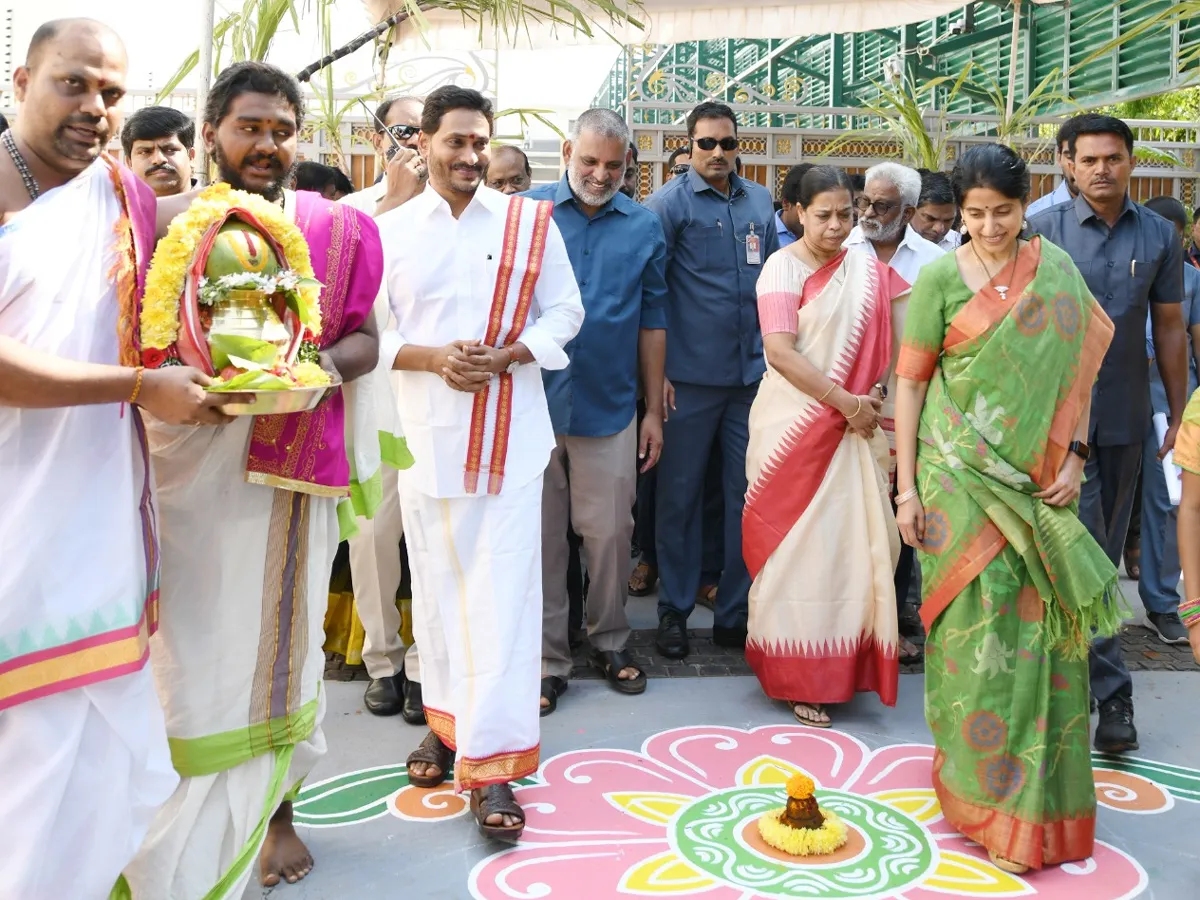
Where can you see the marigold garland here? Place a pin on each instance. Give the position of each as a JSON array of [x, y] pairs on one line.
[[800, 786], [176, 251], [830, 837]]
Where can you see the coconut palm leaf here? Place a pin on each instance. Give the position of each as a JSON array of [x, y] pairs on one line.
[[537, 115], [220, 29]]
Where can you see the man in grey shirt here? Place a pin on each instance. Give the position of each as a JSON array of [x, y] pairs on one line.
[[1131, 259]]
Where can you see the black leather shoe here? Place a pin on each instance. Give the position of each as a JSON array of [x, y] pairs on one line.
[[414, 709], [1116, 732], [734, 637], [672, 639], [385, 696]]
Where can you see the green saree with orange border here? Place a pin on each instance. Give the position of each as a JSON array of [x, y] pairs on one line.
[[1014, 589]]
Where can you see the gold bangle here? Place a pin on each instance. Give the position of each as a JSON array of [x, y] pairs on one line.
[[137, 386], [857, 411], [832, 388]]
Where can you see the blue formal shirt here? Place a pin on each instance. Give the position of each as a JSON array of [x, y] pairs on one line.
[[619, 257], [1191, 318], [785, 234], [712, 308], [1136, 262]]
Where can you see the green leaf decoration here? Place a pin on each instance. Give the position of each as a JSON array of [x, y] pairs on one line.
[[350, 799], [225, 346], [1181, 782], [251, 381]]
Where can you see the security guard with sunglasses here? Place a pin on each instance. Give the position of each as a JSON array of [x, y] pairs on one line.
[[720, 230]]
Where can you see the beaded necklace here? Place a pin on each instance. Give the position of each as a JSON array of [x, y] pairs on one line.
[[10, 144]]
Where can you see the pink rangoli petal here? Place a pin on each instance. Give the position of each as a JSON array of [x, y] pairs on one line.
[[714, 755], [571, 806], [899, 767], [559, 873], [1110, 874]]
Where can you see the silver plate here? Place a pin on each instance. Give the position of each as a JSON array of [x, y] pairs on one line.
[[274, 403]]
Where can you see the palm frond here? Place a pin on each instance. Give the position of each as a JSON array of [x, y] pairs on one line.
[[537, 115], [185, 68]]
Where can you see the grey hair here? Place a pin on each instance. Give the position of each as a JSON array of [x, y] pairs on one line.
[[907, 181], [603, 122]]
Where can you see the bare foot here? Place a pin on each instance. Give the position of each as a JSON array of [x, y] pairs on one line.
[[499, 819], [811, 714], [423, 769], [284, 856], [628, 674]]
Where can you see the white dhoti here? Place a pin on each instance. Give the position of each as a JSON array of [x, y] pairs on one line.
[[477, 617], [81, 783], [237, 659], [83, 747]]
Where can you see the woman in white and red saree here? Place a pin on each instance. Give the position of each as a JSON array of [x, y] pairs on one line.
[[819, 537]]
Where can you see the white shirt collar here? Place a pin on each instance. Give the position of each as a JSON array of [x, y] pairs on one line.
[[429, 201]]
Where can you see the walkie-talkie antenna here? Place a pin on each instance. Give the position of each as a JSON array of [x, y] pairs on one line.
[[396, 145]]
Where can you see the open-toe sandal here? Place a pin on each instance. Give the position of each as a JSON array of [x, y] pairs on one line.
[[816, 709], [552, 688], [611, 663], [497, 799], [432, 752]]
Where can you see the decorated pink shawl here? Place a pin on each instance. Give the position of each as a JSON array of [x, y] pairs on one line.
[[306, 452]]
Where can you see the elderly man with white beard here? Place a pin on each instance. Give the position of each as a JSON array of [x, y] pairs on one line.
[[885, 210], [618, 252]]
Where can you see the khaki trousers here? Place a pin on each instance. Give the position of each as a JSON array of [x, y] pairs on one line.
[[375, 568], [589, 485]]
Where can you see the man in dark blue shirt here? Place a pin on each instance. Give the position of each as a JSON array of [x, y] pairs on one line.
[[619, 256], [719, 229], [1131, 260]]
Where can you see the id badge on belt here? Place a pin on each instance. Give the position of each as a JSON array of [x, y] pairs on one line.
[[753, 248]]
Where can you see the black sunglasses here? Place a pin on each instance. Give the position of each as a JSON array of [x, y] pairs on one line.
[[708, 143], [881, 207], [680, 169], [403, 132]]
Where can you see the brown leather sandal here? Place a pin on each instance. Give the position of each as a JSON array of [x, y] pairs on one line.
[[706, 596], [643, 580], [432, 752], [497, 799]]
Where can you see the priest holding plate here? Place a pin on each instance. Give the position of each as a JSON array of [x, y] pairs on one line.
[[269, 292]]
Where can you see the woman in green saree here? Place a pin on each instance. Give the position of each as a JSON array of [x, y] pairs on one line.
[[1001, 348]]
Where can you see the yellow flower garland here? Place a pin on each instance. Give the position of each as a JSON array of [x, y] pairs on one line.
[[830, 837], [176, 251]]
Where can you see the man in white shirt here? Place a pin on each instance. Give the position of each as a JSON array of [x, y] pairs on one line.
[[886, 208], [375, 566], [484, 297], [937, 212], [1066, 189]]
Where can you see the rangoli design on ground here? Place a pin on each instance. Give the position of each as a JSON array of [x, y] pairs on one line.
[[677, 819]]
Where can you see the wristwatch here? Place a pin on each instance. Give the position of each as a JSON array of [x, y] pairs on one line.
[[882, 388], [513, 362], [1080, 449]]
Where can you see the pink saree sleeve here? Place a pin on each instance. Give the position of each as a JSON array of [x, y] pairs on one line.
[[779, 293], [306, 452]]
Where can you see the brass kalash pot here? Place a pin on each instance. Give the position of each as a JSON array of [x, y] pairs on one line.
[[239, 248]]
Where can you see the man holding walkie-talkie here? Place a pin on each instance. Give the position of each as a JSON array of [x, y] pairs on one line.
[[397, 124], [375, 565]]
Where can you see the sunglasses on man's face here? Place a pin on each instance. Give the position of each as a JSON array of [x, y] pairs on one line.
[[708, 143], [403, 132], [881, 207], [680, 169]]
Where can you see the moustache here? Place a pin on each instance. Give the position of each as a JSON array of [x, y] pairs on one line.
[[273, 161], [477, 170], [164, 167], [79, 120]]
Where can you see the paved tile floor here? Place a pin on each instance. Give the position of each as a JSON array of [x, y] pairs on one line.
[[608, 814]]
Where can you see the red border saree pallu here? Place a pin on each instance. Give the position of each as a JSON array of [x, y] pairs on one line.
[[818, 533], [1013, 589]]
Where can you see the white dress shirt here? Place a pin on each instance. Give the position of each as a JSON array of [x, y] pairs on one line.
[[914, 251], [951, 241], [368, 198], [441, 274]]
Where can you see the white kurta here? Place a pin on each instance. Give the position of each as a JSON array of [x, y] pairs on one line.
[[82, 768], [476, 558]]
